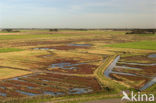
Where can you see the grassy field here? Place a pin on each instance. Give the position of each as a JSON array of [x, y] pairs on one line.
[[35, 51], [8, 32], [7, 37], [5, 50], [135, 45], [9, 73]]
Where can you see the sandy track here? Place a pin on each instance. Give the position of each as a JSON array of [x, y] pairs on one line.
[[115, 100]]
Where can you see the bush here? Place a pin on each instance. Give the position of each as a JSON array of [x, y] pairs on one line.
[[7, 30], [55, 30], [142, 31]]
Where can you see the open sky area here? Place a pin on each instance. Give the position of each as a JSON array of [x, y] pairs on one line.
[[77, 13]]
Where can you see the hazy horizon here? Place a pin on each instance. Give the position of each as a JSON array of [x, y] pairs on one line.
[[78, 14]]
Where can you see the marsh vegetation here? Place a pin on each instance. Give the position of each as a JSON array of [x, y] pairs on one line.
[[38, 65]]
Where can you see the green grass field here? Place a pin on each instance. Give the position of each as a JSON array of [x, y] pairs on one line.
[[151, 45], [31, 36], [5, 50], [9, 32]]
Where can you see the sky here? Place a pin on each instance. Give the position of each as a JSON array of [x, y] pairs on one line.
[[77, 13]]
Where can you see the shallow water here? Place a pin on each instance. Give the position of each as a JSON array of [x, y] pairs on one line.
[[43, 48], [53, 93], [79, 90], [71, 91], [152, 56], [85, 45], [16, 78], [45, 56], [126, 67], [3, 87], [62, 65], [30, 87], [40, 48], [111, 66], [3, 94], [142, 64], [46, 80], [26, 93], [150, 83], [122, 73], [65, 65]]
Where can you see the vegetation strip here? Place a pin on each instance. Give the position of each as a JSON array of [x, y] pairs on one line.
[[5, 50], [106, 83], [14, 68], [135, 45]]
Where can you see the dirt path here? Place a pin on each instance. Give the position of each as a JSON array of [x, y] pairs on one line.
[[112, 100], [115, 100]]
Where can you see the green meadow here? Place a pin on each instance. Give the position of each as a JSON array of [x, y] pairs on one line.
[[5, 50], [11, 37], [151, 45]]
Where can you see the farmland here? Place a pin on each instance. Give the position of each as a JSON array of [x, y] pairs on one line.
[[70, 65]]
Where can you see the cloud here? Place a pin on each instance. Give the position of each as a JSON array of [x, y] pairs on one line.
[[78, 13], [118, 6]]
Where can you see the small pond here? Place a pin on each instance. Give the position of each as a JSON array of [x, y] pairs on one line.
[[43, 48], [65, 65], [152, 56], [79, 90], [85, 45], [3, 94]]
